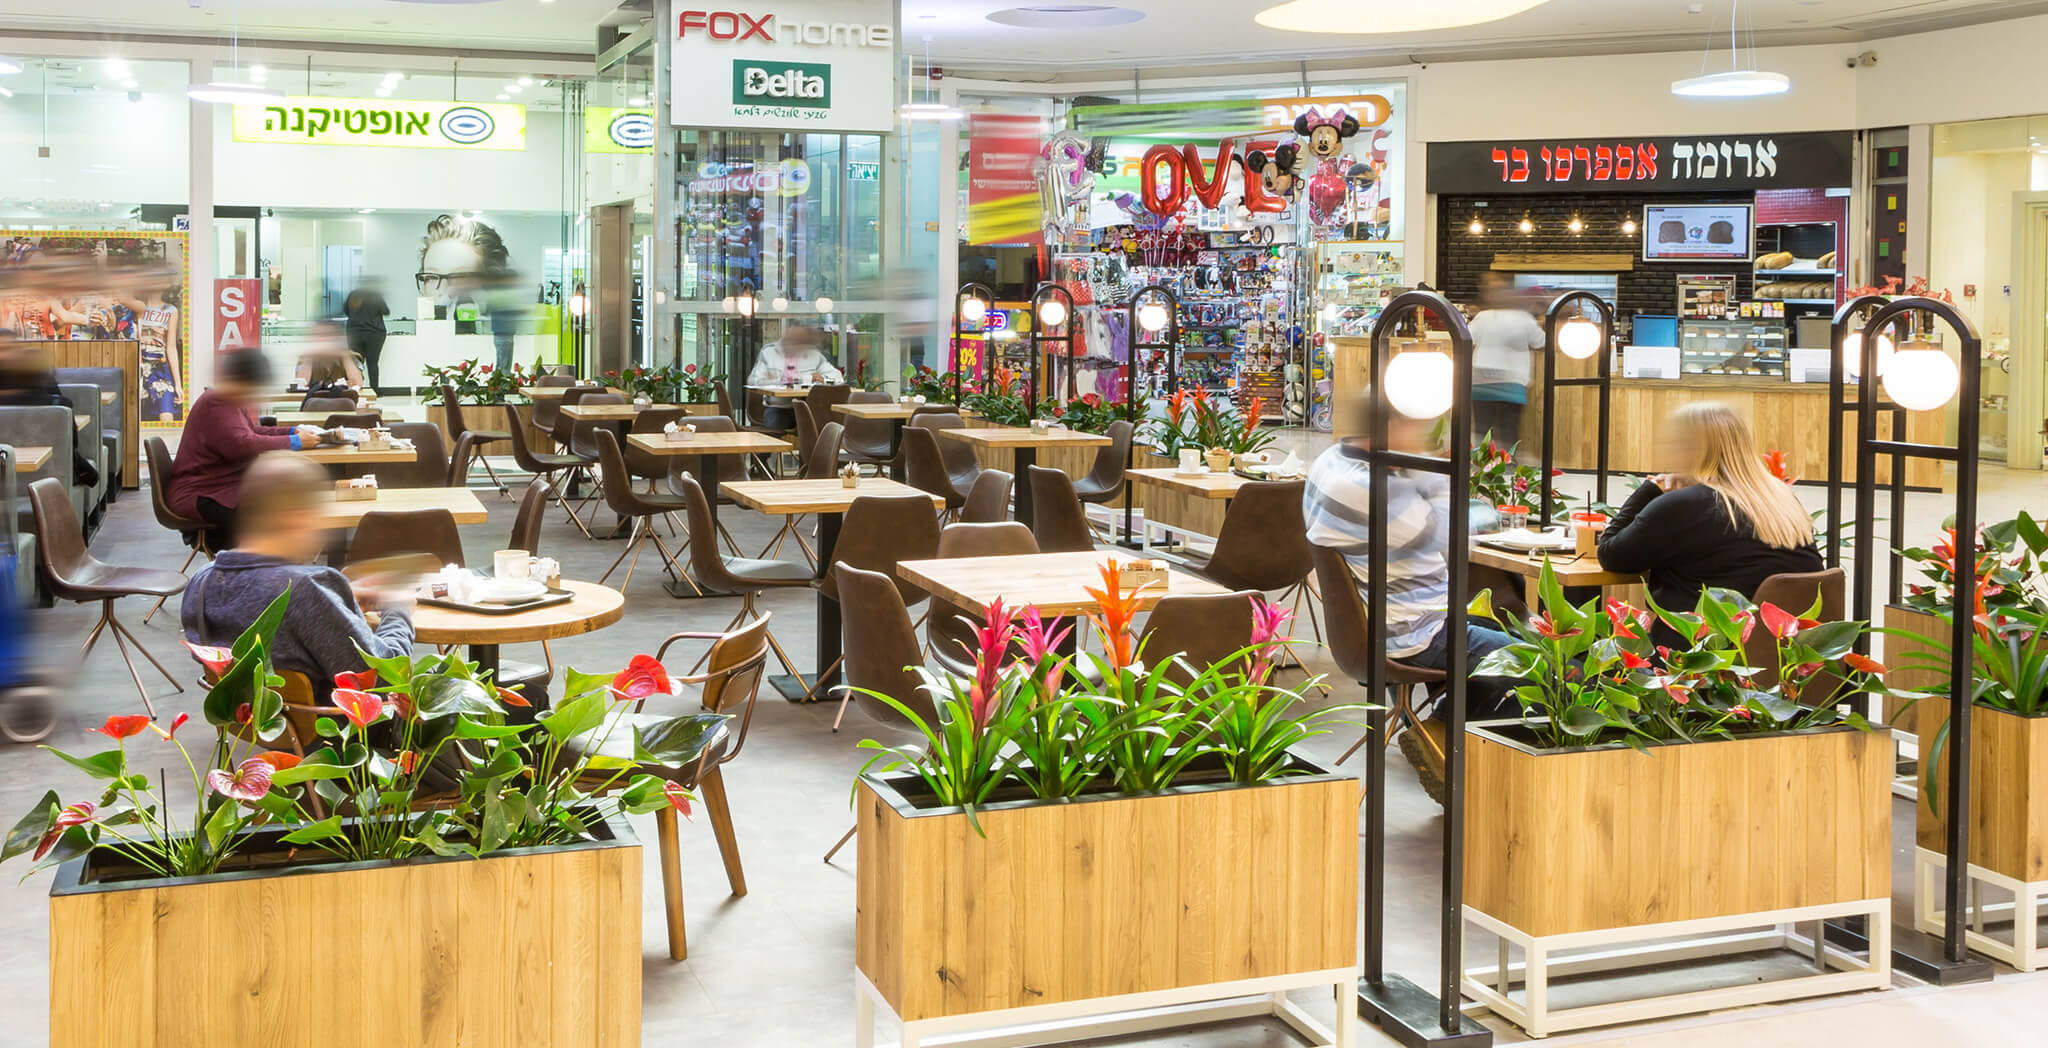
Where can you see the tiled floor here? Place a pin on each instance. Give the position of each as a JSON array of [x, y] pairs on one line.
[[773, 968]]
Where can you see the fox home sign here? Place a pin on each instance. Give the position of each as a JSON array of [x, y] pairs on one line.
[[775, 67]]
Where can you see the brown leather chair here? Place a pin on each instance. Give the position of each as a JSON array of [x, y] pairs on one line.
[[734, 665], [561, 426], [989, 500], [938, 465], [1197, 631], [429, 469], [653, 422], [1263, 544], [742, 576], [390, 533], [355, 420], [558, 375], [640, 508], [729, 467], [820, 399], [479, 440], [1348, 626], [757, 414], [1105, 479], [583, 434], [881, 645], [533, 505], [544, 466], [548, 410], [949, 628], [1059, 521], [71, 572], [807, 435], [193, 531], [821, 464], [353, 396], [1795, 592], [329, 403], [879, 532], [870, 442]]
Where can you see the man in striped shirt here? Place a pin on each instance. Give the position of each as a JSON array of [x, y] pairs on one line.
[[1337, 507]]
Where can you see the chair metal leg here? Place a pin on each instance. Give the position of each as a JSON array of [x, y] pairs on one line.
[[632, 548], [811, 692], [122, 646], [489, 471], [123, 631], [182, 568], [842, 842], [713, 785], [672, 883]]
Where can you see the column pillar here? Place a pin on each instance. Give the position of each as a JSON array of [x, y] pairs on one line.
[[199, 241]]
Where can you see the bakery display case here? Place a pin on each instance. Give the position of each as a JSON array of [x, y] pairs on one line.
[[1741, 346]]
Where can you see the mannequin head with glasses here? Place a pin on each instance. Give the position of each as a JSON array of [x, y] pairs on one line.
[[460, 257]]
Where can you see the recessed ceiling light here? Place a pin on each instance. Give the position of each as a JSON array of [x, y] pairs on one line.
[[525, 81], [503, 97], [9, 66], [1066, 16], [228, 93], [1387, 16], [513, 89], [257, 70], [115, 67]]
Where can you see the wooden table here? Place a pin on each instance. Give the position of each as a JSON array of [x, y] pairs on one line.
[[608, 412], [1200, 499], [593, 608], [893, 410], [785, 392], [348, 455], [1024, 444], [1054, 583], [81, 420], [741, 442], [1572, 570], [30, 457], [319, 418], [461, 502], [829, 499]]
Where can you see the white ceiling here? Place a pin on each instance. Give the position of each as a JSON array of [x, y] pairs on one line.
[[557, 26], [1189, 32]]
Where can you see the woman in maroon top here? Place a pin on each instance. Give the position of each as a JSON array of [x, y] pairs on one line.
[[221, 439]]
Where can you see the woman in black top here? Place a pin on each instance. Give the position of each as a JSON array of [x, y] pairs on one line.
[[1723, 520]]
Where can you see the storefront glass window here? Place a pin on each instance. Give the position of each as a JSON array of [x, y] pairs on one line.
[[117, 140]]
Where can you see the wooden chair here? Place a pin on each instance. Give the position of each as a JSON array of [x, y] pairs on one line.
[[734, 665], [1348, 626]]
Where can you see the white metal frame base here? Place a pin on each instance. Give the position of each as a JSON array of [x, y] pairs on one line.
[[1618, 949], [2025, 952], [1123, 1014]]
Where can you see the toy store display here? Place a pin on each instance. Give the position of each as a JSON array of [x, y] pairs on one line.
[[1354, 280]]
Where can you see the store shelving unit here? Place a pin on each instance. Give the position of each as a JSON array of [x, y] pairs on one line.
[[1354, 279]]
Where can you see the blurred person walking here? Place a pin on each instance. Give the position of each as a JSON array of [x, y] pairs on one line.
[[365, 310], [1504, 337]]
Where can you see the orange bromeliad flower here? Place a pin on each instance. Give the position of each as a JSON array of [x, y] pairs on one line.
[[1176, 405], [1251, 416], [1775, 462], [1118, 613]]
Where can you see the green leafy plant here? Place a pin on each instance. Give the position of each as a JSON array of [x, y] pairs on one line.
[[1593, 677], [2009, 649], [477, 382], [1500, 481], [2011, 569], [924, 382], [1194, 419], [668, 384], [1087, 413]]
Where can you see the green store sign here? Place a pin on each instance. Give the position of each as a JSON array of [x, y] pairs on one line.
[[383, 122], [780, 85], [611, 129]]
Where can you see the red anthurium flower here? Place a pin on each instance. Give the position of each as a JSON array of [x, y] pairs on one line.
[[243, 713], [1806, 669], [1632, 661], [678, 798], [362, 708], [361, 680], [407, 761], [176, 723], [1679, 693], [1748, 623], [278, 760], [75, 815], [512, 698], [1775, 462], [1864, 663], [1622, 617], [1742, 712], [642, 677], [1546, 628], [216, 660], [1093, 400], [122, 726], [248, 782], [1780, 622]]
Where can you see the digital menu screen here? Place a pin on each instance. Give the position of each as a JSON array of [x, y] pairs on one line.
[[1698, 233]]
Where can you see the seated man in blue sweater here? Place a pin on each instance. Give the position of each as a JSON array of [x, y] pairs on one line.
[[280, 535]]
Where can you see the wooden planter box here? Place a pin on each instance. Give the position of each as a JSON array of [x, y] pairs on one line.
[[2008, 837], [1104, 903], [1911, 625], [1074, 462], [531, 947], [1588, 849]]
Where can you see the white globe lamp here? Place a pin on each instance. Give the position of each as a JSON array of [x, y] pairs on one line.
[[1052, 313], [1852, 353], [974, 310], [1419, 383], [1578, 338], [1152, 316], [1921, 377]]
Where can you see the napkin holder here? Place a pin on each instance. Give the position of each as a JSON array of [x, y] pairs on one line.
[[850, 476], [375, 440], [356, 489], [1143, 573], [674, 434]]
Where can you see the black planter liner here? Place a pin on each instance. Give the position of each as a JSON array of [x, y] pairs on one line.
[[907, 795], [263, 856], [1519, 735]]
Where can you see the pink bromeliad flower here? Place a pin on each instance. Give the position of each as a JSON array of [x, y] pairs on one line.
[[992, 647], [1268, 635], [1041, 640]]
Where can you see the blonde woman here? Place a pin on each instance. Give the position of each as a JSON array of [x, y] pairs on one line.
[[1719, 519]]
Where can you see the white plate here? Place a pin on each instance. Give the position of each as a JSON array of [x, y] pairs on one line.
[[1203, 472], [1553, 539], [507, 589]]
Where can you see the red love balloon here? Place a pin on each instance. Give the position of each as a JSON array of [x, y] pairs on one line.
[[1256, 199], [1163, 200], [1208, 188]]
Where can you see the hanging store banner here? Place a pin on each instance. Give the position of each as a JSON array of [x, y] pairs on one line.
[[795, 65], [609, 129], [237, 314], [1002, 194], [400, 123], [1650, 164]]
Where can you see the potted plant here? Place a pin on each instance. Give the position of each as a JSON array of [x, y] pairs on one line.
[[1075, 828], [1672, 795], [2008, 841], [446, 863], [481, 384], [921, 381], [684, 384], [1194, 419], [1500, 484]]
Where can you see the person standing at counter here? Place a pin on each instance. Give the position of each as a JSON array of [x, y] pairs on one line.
[[1720, 519], [1504, 335], [366, 310]]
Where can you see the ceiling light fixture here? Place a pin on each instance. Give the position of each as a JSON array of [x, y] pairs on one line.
[[928, 109], [1387, 16], [1575, 226], [1738, 81], [513, 89], [231, 91], [525, 81], [9, 66], [115, 67], [1525, 225], [1477, 228]]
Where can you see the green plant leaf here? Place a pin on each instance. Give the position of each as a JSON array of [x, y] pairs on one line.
[[677, 741], [106, 764], [224, 821], [576, 683], [1582, 721], [437, 695], [576, 716], [1831, 640], [29, 832], [264, 630], [497, 824], [326, 829], [467, 728]]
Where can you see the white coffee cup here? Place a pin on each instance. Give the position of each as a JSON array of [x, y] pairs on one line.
[[512, 564], [1190, 460]]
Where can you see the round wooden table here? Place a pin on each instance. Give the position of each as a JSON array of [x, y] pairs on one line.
[[593, 608]]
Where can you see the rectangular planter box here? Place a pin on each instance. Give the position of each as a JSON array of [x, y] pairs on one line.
[[1074, 462], [1103, 897], [2008, 791], [1580, 840], [532, 947], [1912, 625]]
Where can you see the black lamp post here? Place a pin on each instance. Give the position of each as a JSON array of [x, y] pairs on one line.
[[1916, 388], [1405, 1011], [1153, 311], [1575, 341], [747, 347], [972, 302], [1846, 342], [1052, 307]]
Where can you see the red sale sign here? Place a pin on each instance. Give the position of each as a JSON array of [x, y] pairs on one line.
[[237, 314]]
